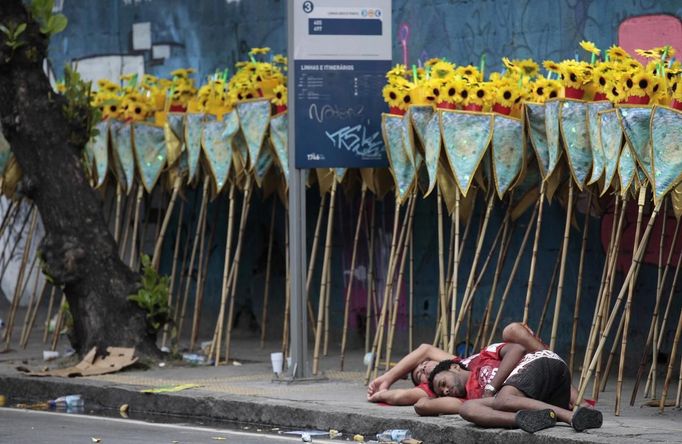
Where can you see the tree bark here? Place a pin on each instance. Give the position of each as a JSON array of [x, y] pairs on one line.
[[78, 251]]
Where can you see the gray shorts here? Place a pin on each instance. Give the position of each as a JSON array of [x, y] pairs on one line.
[[543, 376]]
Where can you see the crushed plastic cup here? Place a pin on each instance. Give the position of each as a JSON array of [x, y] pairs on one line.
[[368, 359], [277, 360], [49, 355]]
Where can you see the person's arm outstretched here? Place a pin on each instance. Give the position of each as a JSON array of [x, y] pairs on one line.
[[399, 396], [438, 406]]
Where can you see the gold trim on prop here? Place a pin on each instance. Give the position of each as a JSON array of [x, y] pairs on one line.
[[676, 181], [563, 139], [628, 142]]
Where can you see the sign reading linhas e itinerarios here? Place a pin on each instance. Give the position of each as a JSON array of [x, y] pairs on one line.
[[342, 51]]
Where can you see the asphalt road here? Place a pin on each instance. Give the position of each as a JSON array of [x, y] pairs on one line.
[[37, 427]]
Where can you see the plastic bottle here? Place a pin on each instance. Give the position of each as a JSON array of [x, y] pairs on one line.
[[70, 401], [194, 358], [394, 435]]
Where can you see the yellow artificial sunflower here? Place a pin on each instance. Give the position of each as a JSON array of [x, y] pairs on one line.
[[590, 47], [479, 94], [676, 89], [600, 76], [434, 90], [280, 95], [264, 50], [183, 73], [452, 90], [108, 86], [614, 93], [397, 71], [528, 67], [504, 94], [442, 69], [617, 53], [391, 94], [552, 66], [625, 82], [642, 84], [572, 74], [469, 73], [432, 61], [111, 108], [405, 99]]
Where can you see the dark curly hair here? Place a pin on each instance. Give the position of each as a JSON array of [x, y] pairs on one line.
[[441, 367]]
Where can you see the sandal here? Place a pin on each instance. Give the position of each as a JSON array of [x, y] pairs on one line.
[[535, 420]]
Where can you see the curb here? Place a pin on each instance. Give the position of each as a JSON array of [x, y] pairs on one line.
[[200, 406]]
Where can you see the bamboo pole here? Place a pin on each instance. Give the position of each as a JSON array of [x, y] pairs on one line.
[[548, 296], [126, 220], [410, 320], [562, 267], [637, 257], [5, 260], [441, 273], [136, 222], [671, 361], [455, 275], [19, 287], [579, 284], [487, 315], [234, 271], [515, 267], [156, 257], [201, 278], [376, 347], [218, 334], [628, 302], [468, 293], [266, 289], [313, 260], [659, 338], [32, 311], [197, 235], [679, 387], [370, 277], [467, 227], [31, 300], [609, 266], [184, 274], [323, 284], [397, 288], [174, 267], [533, 259], [612, 353], [391, 276], [352, 273], [117, 215], [46, 327], [325, 344], [654, 319]]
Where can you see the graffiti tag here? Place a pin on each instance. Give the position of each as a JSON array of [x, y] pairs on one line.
[[333, 112], [356, 140]]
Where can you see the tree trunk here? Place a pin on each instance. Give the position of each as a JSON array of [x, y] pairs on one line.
[[78, 252]]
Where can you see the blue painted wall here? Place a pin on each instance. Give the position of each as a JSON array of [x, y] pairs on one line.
[[214, 34]]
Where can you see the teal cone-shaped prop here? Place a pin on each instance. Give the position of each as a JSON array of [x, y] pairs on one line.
[[394, 132], [149, 145], [98, 152], [193, 129], [635, 122], [122, 146], [535, 116], [254, 118], [598, 159], [573, 127], [610, 137], [263, 164], [627, 167], [217, 145], [432, 144], [279, 126], [466, 136], [552, 134], [507, 151], [666, 153]]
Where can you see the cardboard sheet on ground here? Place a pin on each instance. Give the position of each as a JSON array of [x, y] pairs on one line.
[[116, 359]]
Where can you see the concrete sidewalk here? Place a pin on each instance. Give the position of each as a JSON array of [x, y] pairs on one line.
[[247, 394]]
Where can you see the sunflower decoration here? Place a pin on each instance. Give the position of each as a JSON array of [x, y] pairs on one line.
[[676, 93], [111, 107], [642, 84], [392, 95], [601, 74], [574, 76], [552, 66], [479, 96], [183, 73], [451, 92], [617, 53], [527, 68], [614, 90], [505, 94], [106, 85], [259, 51], [657, 54], [590, 47], [442, 70], [397, 71], [469, 73], [433, 89], [135, 107], [279, 98]]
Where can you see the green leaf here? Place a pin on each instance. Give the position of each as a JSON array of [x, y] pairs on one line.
[[20, 29], [57, 23], [4, 30]]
